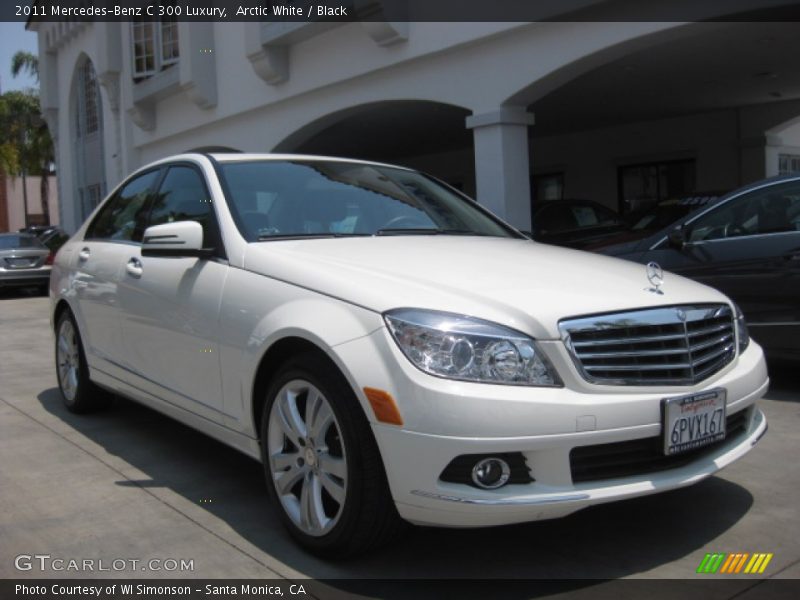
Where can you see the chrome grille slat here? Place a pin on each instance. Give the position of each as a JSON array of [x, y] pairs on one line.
[[663, 352], [710, 343], [674, 345], [714, 329], [659, 367], [633, 340], [707, 357]]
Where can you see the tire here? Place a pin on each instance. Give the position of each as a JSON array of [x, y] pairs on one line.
[[323, 468], [78, 392]]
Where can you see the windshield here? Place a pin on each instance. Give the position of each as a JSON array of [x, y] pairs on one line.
[[301, 199]]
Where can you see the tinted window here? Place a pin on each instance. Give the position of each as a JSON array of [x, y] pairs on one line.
[[774, 209], [182, 196], [275, 199], [19, 241], [122, 217]]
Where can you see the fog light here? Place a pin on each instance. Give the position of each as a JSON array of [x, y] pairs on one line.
[[491, 473]]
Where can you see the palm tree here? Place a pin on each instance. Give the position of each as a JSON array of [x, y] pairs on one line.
[[25, 143], [25, 61]]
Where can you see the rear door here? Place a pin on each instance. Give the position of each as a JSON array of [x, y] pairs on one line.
[[170, 306], [108, 240]]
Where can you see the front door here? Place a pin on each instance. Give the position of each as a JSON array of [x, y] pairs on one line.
[[170, 306]]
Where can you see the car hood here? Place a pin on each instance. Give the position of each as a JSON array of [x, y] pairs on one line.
[[519, 283]]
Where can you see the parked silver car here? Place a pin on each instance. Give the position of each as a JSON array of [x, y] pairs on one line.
[[24, 261]]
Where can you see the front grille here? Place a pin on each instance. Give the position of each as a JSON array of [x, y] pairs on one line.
[[642, 456], [676, 345]]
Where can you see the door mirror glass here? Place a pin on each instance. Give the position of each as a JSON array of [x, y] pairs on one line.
[[181, 238]]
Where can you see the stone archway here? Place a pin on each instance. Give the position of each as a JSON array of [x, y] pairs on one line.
[[425, 135]]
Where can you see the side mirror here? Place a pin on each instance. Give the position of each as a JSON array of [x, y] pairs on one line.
[[181, 238], [677, 238]]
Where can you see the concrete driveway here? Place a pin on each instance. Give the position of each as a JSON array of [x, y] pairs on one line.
[[131, 484]]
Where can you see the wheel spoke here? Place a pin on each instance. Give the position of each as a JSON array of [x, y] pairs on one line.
[[333, 465], [334, 488], [285, 481], [63, 345], [72, 378], [319, 421], [312, 513], [290, 420]]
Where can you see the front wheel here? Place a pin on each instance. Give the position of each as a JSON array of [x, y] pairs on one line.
[[322, 464]]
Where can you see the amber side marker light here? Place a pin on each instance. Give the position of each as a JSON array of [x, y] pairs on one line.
[[384, 406]]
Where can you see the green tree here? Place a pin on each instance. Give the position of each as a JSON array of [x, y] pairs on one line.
[[25, 143], [25, 61]]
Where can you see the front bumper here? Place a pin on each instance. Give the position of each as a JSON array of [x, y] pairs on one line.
[[444, 419]]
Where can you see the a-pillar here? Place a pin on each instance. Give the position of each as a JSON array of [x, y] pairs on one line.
[[501, 163]]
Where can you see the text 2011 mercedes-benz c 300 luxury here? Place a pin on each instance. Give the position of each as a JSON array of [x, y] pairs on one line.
[[393, 352]]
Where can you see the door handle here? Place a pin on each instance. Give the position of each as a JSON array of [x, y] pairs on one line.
[[84, 254], [134, 267]]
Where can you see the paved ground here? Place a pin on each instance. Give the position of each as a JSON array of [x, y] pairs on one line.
[[129, 483]]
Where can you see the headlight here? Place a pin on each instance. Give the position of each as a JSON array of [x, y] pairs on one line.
[[458, 347], [742, 334]]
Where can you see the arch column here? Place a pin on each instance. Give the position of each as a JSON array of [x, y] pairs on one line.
[[501, 162]]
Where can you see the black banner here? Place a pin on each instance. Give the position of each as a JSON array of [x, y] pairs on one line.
[[291, 11], [699, 588]]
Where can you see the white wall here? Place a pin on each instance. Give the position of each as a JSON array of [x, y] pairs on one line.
[[15, 200]]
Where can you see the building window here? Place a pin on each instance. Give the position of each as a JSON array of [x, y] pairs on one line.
[[88, 117], [642, 185], [546, 187], [155, 46], [788, 164]]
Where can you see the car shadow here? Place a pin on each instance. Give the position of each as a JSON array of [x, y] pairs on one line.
[[783, 381], [20, 292], [601, 542]]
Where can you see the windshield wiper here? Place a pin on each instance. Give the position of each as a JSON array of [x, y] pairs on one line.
[[408, 231], [425, 231], [307, 236]]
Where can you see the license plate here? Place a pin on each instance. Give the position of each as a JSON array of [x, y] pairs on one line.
[[20, 262], [693, 421]]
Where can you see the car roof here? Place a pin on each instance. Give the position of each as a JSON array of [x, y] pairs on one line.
[[231, 157]]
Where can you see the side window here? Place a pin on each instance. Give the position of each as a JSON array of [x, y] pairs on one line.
[[183, 197], [770, 210], [122, 217]]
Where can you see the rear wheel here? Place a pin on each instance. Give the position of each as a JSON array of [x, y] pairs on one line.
[[80, 395], [322, 465]]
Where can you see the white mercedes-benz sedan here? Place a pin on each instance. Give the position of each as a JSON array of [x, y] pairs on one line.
[[393, 352]]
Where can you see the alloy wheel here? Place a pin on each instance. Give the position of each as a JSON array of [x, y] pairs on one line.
[[68, 360], [307, 458]]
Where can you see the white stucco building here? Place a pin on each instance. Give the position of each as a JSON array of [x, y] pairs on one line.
[[621, 113]]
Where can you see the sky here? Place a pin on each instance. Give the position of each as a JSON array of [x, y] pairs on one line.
[[13, 37]]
